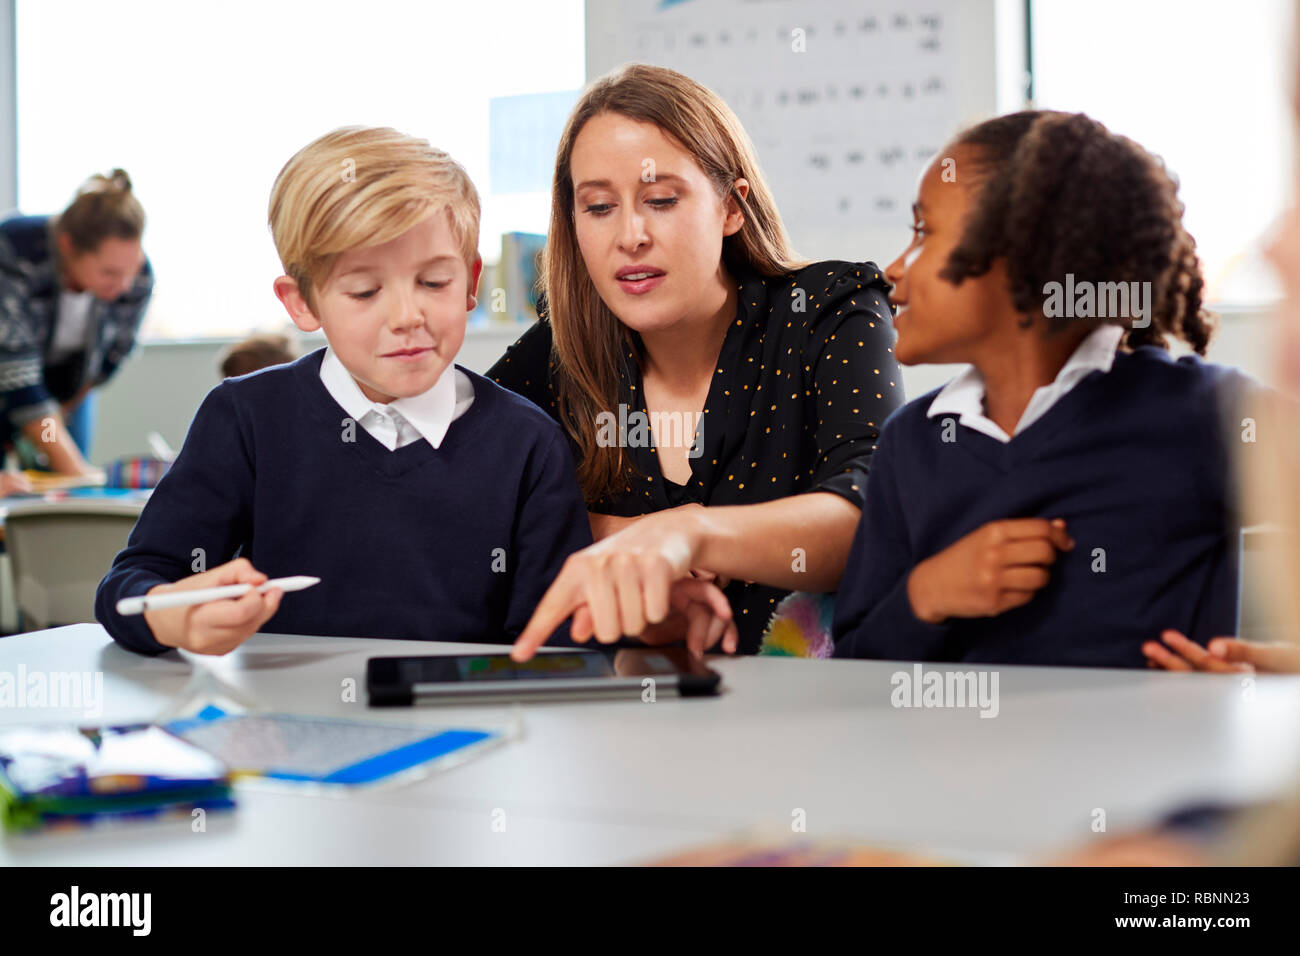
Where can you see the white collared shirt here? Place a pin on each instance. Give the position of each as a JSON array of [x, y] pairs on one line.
[[964, 395], [403, 420], [72, 327]]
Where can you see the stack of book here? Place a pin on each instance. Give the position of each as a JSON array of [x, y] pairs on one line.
[[65, 777]]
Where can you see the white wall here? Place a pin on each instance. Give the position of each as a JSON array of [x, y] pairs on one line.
[[161, 385]]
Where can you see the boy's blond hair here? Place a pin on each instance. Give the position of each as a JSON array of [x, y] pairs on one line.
[[363, 186]]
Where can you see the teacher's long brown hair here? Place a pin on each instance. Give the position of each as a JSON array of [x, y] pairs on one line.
[[589, 340]]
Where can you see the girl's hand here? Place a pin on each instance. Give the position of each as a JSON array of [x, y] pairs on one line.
[[625, 580], [1222, 655], [995, 568]]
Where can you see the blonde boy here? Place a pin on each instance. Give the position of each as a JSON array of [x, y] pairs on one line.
[[433, 504]]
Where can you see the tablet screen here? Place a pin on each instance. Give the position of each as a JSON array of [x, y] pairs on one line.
[[394, 681], [498, 667]]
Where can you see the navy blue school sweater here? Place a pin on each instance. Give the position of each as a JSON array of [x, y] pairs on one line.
[[456, 543], [1136, 460]]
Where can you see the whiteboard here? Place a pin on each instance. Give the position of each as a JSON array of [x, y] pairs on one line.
[[844, 116]]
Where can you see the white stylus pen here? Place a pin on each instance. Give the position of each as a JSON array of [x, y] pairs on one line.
[[138, 605]]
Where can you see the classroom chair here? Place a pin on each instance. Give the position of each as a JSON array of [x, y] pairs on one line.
[[58, 552]]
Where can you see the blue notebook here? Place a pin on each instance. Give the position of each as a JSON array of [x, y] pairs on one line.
[[327, 750]]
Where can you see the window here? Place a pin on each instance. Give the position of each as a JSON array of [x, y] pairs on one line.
[[202, 105], [1205, 85]]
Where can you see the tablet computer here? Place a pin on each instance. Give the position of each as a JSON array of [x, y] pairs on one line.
[[628, 674]]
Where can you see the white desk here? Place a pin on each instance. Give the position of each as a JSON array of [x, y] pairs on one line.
[[595, 783]]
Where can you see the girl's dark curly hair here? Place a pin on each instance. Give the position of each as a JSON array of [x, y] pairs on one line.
[[1059, 193]]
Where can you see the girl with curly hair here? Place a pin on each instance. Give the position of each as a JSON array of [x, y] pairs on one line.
[[1067, 497]]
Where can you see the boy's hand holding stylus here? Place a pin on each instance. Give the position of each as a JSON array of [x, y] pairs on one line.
[[995, 568], [217, 627]]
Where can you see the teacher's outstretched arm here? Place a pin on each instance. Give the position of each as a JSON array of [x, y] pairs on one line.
[[627, 581]]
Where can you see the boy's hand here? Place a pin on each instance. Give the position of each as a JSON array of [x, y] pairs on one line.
[[1223, 655], [721, 580], [708, 613], [993, 569], [217, 627]]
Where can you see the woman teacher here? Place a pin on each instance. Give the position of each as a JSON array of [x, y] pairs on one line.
[[73, 291], [721, 396]]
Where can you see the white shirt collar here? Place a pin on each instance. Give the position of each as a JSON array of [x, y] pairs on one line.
[[430, 413], [964, 395]]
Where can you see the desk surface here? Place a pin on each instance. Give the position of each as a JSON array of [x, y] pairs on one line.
[[599, 782]]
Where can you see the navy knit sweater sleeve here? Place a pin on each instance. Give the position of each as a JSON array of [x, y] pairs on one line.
[[456, 543], [551, 503], [1135, 460], [197, 518], [872, 601]]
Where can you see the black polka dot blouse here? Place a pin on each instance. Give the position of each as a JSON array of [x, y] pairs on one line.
[[805, 378]]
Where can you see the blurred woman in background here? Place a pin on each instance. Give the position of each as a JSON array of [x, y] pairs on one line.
[[73, 292]]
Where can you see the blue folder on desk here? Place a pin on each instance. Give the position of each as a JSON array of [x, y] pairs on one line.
[[327, 750]]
